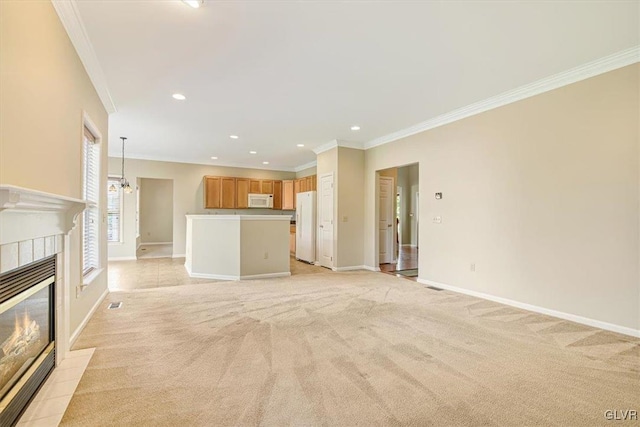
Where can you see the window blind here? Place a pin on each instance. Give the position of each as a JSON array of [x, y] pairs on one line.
[[114, 208], [91, 193]]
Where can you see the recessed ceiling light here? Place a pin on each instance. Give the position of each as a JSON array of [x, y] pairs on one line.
[[265, 163], [355, 127], [253, 152], [194, 3], [179, 96], [214, 158], [233, 136], [300, 145]]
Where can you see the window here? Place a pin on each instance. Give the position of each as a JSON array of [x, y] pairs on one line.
[[91, 193], [114, 210]]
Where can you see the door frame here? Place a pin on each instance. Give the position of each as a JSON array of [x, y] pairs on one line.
[[392, 202], [319, 222]]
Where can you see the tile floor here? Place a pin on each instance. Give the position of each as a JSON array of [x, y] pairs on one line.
[[155, 251], [48, 407]]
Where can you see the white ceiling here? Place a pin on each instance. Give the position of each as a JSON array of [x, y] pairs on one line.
[[280, 73]]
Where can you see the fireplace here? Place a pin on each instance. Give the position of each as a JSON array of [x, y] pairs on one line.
[[27, 335]]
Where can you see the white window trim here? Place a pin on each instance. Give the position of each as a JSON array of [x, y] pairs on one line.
[[93, 128]]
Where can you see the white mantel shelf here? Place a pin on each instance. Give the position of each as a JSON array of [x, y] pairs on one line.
[[27, 214], [24, 199]]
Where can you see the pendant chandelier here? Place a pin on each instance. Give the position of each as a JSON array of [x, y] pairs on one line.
[[124, 184]]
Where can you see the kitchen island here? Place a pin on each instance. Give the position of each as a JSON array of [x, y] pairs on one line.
[[236, 247]]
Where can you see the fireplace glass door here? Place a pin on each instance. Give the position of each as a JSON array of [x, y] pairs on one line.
[[25, 332]]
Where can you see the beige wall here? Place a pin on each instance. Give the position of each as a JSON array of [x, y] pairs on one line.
[[307, 172], [44, 90], [542, 195], [187, 196], [156, 210], [350, 207]]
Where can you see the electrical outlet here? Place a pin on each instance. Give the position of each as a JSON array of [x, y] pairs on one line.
[[345, 218], [473, 267], [437, 220]]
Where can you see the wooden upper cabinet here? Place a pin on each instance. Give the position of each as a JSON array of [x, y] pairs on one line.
[[255, 186], [296, 186], [277, 194], [288, 200], [212, 189], [227, 193], [310, 183], [267, 186], [242, 193]]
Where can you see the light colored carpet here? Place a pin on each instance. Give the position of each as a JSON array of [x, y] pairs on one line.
[[352, 348]]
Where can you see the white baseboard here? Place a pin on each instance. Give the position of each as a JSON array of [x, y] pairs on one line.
[[179, 256], [155, 243], [536, 309], [76, 333], [122, 258], [367, 267], [350, 268], [266, 275], [234, 277]]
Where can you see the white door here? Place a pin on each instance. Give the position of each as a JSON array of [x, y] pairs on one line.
[[386, 219], [325, 221]]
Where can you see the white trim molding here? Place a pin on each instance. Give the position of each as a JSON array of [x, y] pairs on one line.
[[69, 15], [369, 268], [234, 277], [583, 72], [536, 309], [305, 166], [338, 143], [350, 268]]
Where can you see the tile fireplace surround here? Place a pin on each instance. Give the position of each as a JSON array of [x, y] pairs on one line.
[[33, 226]]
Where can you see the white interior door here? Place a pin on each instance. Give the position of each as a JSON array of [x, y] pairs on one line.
[[386, 219], [325, 221]]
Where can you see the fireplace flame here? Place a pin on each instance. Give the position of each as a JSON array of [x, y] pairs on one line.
[[22, 336]]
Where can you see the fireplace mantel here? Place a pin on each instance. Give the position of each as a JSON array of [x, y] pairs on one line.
[[27, 214]]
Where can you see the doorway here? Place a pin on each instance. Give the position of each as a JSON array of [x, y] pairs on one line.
[[325, 221], [155, 197], [397, 234]]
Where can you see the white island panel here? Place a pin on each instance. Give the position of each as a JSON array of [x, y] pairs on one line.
[[234, 247]]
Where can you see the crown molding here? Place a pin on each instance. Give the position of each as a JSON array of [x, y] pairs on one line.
[[69, 15], [306, 166], [338, 143], [583, 72], [137, 156]]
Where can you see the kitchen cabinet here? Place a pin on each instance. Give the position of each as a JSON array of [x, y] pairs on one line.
[[224, 192], [266, 187], [288, 195], [310, 183], [242, 193], [227, 193], [255, 186], [211, 190], [277, 195]]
